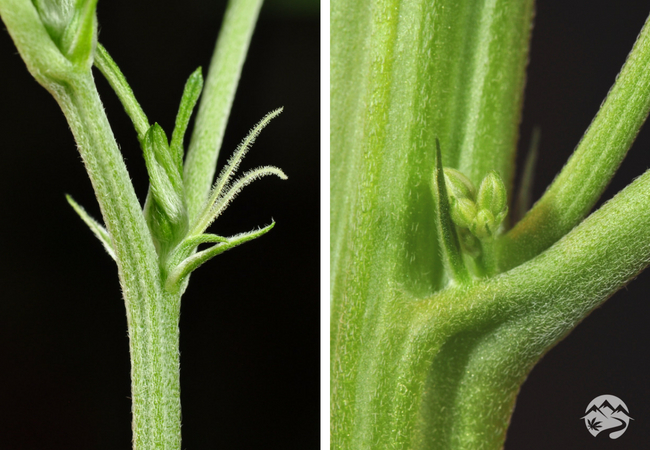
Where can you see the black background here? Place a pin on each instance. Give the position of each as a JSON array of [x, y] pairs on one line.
[[578, 47], [250, 318]]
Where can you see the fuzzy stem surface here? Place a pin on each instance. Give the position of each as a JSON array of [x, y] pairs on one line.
[[152, 313], [218, 94]]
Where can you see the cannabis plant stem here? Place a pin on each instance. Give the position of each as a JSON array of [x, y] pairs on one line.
[[152, 314], [218, 94], [58, 42], [577, 188], [423, 356]]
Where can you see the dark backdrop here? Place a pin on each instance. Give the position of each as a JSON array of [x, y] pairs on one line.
[[249, 322], [578, 47]]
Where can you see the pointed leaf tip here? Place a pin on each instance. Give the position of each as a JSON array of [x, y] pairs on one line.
[[222, 202], [218, 200], [191, 94], [448, 238], [191, 263], [98, 230]]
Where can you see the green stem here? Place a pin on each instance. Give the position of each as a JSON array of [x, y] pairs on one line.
[[155, 380], [152, 313], [218, 94], [63, 67], [136, 255], [402, 74], [443, 372], [587, 173], [417, 363]]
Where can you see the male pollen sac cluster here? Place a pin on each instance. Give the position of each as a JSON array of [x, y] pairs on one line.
[[479, 212]]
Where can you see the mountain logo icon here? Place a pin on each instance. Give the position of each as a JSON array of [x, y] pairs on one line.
[[607, 413]]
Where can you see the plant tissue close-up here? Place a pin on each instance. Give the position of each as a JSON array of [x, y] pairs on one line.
[[490, 224], [195, 155]]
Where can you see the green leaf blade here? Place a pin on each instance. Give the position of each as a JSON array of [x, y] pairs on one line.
[[191, 94], [44, 59], [235, 160], [164, 208], [453, 256], [72, 26], [221, 194], [98, 230], [187, 266], [116, 79], [221, 202]]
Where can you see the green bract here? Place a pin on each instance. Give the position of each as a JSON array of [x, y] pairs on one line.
[[463, 211], [492, 195], [72, 25], [460, 187]]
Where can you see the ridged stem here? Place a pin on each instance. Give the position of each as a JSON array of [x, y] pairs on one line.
[[152, 313], [218, 94]]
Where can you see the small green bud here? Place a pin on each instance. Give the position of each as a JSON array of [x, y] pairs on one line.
[[492, 206], [458, 185], [484, 224], [492, 195], [461, 194], [463, 211]]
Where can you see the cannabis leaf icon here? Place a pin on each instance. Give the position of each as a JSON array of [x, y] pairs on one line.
[[593, 425]]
